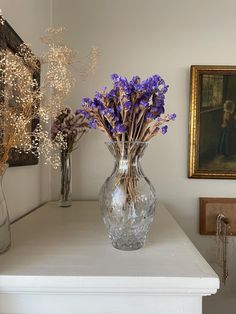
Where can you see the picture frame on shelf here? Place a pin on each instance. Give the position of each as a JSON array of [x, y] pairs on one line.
[[212, 122], [11, 43], [210, 208]]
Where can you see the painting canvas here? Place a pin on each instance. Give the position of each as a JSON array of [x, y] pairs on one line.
[[212, 129]]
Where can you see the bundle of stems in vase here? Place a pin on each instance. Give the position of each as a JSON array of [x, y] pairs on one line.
[[72, 127], [131, 112]]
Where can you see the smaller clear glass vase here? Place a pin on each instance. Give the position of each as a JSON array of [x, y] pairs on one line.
[[66, 179], [127, 198], [5, 233]]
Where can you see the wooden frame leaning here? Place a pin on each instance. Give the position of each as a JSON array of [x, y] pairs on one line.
[[11, 42]]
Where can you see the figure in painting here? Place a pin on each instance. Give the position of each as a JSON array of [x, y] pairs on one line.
[[227, 142]]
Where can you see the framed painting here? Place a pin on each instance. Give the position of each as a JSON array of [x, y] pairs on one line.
[[11, 43], [212, 123]]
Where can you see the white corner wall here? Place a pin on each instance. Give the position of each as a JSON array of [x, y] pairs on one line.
[[146, 37], [27, 187]]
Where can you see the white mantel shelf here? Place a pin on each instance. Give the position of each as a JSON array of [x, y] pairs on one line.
[[63, 257]]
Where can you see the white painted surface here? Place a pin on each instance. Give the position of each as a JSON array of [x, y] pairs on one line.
[[98, 304], [137, 37], [144, 37], [27, 187], [66, 251]]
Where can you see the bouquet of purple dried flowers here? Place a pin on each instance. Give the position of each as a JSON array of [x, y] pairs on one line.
[[132, 111], [71, 126]]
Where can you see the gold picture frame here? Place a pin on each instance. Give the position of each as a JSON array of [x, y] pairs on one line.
[[212, 122]]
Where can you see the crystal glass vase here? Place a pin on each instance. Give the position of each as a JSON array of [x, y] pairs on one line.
[[66, 179], [5, 234], [127, 198]]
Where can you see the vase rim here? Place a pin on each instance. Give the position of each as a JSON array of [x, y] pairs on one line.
[[3, 169], [137, 142]]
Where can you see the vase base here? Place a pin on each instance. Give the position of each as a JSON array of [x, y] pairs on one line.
[[65, 203], [5, 249], [120, 245], [5, 236]]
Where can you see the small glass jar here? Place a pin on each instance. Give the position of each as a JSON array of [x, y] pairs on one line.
[[66, 179]]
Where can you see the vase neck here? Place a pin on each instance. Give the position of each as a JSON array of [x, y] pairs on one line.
[[65, 154], [127, 150], [127, 156], [128, 166]]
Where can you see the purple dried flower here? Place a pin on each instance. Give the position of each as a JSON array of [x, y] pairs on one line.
[[144, 103], [83, 113], [160, 109], [127, 105], [118, 108], [150, 115], [135, 80], [108, 111], [111, 94], [172, 116], [120, 128], [98, 104], [92, 124], [115, 77], [98, 95], [164, 129], [165, 89], [121, 82], [87, 102]]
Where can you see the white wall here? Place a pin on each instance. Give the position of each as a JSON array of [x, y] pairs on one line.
[[146, 37], [27, 187]]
